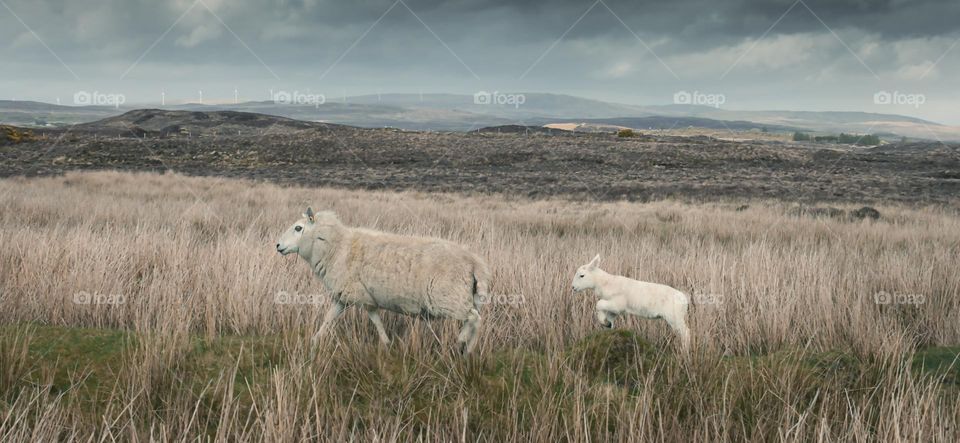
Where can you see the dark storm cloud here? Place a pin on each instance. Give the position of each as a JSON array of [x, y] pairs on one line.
[[648, 48], [111, 27]]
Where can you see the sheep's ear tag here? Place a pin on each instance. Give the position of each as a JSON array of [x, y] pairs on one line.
[[309, 215]]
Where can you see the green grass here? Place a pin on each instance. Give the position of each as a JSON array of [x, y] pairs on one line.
[[941, 361], [60, 357], [612, 356], [500, 390]]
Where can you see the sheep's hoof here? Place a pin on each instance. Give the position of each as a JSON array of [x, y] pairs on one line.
[[608, 324], [463, 350]]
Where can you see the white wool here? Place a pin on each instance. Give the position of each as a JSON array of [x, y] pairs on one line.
[[422, 276]]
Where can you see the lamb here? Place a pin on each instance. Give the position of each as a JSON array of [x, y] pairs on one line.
[[428, 277], [621, 295]]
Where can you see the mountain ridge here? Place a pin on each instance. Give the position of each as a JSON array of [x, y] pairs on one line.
[[461, 112]]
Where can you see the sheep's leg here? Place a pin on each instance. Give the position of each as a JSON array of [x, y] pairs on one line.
[[469, 332], [335, 310], [375, 318], [680, 327]]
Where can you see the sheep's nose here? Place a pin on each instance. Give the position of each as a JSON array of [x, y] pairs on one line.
[[278, 246]]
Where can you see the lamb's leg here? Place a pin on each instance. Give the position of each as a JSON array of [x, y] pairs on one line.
[[469, 332], [375, 318], [604, 316], [335, 310]]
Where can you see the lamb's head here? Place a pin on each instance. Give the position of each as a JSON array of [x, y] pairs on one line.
[[585, 277], [313, 234]]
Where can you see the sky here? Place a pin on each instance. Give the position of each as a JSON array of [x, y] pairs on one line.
[[894, 56]]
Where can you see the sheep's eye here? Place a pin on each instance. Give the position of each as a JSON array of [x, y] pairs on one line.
[[298, 228], [581, 275]]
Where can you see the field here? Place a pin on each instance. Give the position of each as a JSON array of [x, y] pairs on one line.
[[593, 167], [143, 306]]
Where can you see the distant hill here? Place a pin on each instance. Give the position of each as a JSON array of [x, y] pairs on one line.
[[520, 129], [463, 112], [661, 122], [367, 115], [30, 113], [196, 123], [824, 121], [533, 104]]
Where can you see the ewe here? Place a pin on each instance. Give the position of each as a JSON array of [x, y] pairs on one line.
[[429, 277], [622, 295]]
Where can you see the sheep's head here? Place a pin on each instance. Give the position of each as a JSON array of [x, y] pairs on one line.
[[312, 234], [584, 278]]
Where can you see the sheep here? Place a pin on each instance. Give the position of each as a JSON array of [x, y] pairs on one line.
[[428, 277], [621, 295]]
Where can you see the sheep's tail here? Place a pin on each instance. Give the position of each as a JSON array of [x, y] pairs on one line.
[[690, 302], [481, 283]]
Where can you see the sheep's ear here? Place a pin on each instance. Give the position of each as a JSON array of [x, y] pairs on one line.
[[593, 263], [310, 215]]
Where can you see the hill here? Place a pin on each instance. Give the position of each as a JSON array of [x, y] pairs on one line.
[[158, 122], [38, 114], [663, 122], [463, 112]]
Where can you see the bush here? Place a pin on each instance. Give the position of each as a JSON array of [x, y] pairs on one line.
[[626, 133], [850, 139], [860, 140], [12, 134]]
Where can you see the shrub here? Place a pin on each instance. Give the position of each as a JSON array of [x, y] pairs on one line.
[[13, 134]]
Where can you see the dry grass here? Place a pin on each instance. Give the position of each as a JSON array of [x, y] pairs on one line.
[[196, 346]]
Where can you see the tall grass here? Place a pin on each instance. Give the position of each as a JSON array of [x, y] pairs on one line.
[[790, 340]]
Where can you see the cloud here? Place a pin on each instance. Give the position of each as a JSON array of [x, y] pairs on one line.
[[200, 34], [699, 40]]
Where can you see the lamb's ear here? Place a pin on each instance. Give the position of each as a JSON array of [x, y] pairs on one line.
[[310, 215], [593, 263]]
